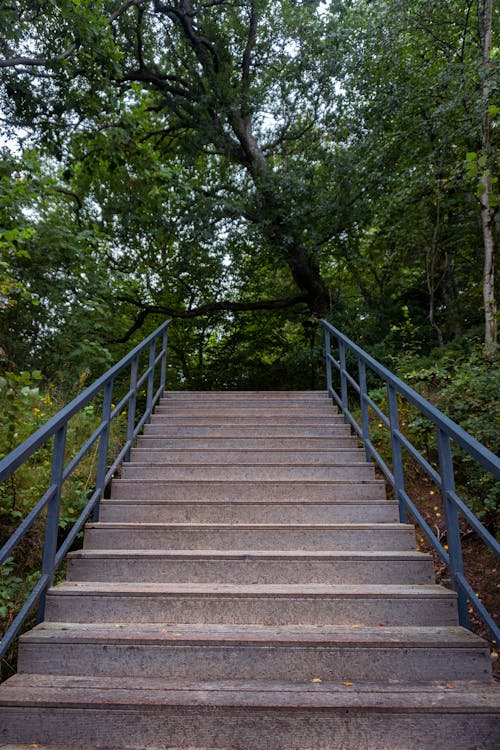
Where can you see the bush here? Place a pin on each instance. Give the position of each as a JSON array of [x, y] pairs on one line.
[[27, 406]]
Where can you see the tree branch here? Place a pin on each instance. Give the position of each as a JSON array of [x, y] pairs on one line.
[[252, 35], [209, 307], [34, 62], [45, 62]]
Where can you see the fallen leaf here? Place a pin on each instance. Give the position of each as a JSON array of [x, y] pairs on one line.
[[348, 684], [316, 679], [449, 687]]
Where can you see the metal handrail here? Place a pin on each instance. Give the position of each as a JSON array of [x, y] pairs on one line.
[[446, 431], [56, 428]]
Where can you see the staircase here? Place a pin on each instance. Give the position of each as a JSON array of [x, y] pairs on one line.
[[249, 587]]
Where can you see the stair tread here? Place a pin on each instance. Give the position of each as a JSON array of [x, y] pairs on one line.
[[249, 482], [406, 697], [182, 634], [114, 501], [149, 525], [244, 394], [306, 555], [151, 464], [258, 589]]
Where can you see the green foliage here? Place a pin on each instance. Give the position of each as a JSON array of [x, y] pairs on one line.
[[27, 406], [465, 387]]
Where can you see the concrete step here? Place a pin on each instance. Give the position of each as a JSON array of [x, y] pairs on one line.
[[241, 420], [234, 604], [247, 403], [218, 456], [224, 491], [394, 537], [142, 510], [247, 472], [153, 442], [152, 713], [267, 409], [219, 652], [250, 566], [238, 396], [243, 430]]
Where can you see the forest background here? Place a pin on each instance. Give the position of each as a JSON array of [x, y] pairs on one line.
[[245, 168]]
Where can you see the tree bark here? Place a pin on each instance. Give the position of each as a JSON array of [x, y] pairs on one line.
[[487, 211]]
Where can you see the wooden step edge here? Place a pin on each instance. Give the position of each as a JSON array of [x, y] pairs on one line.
[[65, 691], [390, 526], [416, 637], [145, 503], [257, 590], [263, 451], [253, 483], [251, 465], [249, 555]]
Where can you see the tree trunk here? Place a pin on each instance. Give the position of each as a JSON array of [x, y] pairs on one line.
[[487, 212], [280, 231]]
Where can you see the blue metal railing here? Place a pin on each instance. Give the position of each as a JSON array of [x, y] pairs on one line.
[[446, 431], [156, 347]]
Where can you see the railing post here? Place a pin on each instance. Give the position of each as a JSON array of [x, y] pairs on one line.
[[328, 362], [343, 380], [52, 518], [452, 522], [151, 379], [365, 421], [397, 458], [103, 446], [134, 369], [163, 371]]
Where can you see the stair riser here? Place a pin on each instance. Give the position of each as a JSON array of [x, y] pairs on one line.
[[242, 457], [260, 421], [247, 403], [248, 491], [265, 411], [251, 539], [257, 610], [286, 663], [249, 473], [250, 444], [294, 513], [245, 430], [238, 396], [249, 571], [214, 728]]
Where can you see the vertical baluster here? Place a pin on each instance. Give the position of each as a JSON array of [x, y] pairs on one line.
[[134, 369], [452, 521], [103, 446], [343, 380], [52, 518], [328, 354], [163, 372], [365, 421], [151, 379], [397, 459]]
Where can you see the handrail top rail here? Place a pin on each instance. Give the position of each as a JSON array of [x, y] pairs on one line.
[[15, 458], [483, 455]]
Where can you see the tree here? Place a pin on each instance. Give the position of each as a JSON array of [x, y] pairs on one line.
[[242, 156], [415, 105], [203, 81]]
